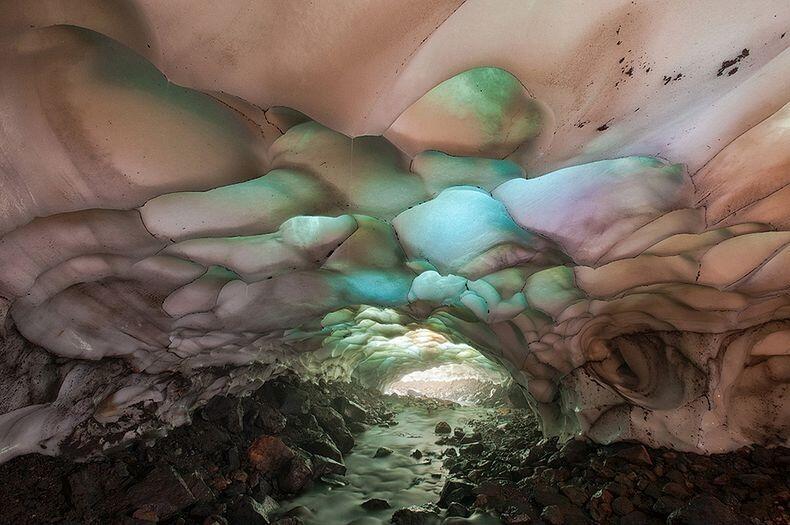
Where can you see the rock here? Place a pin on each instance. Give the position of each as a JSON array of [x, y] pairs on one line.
[[600, 505], [415, 516], [334, 425], [350, 411], [617, 488], [240, 476], [323, 466], [523, 518], [546, 494], [442, 427], [382, 452], [679, 477], [198, 487], [269, 454], [703, 510], [635, 454], [333, 480], [90, 485], [666, 505], [474, 437], [574, 451], [300, 511], [676, 490], [298, 477], [270, 420], [290, 520], [754, 480], [456, 491], [622, 505], [459, 510], [235, 489], [296, 402], [319, 443], [638, 517], [374, 504], [553, 514], [162, 493], [249, 511], [232, 458], [472, 449], [417, 454], [356, 427], [576, 495], [145, 515], [227, 411]]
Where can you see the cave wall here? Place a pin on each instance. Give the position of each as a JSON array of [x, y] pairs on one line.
[[195, 197]]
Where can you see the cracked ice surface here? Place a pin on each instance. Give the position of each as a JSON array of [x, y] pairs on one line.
[[617, 241]]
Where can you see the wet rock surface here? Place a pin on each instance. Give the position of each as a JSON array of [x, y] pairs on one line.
[[526, 479], [237, 459]]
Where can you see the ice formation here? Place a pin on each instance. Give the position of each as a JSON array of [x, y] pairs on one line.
[[597, 202]]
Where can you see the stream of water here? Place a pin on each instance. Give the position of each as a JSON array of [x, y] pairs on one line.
[[399, 478]]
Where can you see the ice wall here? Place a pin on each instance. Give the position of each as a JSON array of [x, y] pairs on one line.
[[600, 205]]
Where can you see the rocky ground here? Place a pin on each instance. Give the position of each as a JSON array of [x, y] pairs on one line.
[[241, 457], [232, 465], [501, 463]]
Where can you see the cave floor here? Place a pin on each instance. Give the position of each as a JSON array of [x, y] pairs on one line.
[[402, 478], [265, 459]]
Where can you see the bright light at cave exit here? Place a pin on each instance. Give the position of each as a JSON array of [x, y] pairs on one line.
[[455, 382]]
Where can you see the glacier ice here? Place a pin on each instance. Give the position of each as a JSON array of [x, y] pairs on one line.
[[542, 202]]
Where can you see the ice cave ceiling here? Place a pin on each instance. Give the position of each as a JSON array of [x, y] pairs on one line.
[[595, 195]]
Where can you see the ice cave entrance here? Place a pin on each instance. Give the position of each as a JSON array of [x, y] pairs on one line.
[[464, 384], [392, 352]]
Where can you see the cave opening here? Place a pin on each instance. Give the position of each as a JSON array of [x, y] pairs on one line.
[[462, 384]]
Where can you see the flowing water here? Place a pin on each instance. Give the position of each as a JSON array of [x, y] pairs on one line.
[[398, 478]]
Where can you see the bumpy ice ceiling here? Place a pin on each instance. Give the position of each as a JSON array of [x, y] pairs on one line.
[[594, 195]]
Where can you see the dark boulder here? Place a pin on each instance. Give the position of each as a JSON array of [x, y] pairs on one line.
[[382, 452], [269, 454], [472, 449], [355, 427], [299, 475], [334, 425], [161, 494], [442, 427], [666, 505], [325, 466], [93, 484], [375, 504], [456, 491], [251, 512], [319, 443], [458, 510], [635, 454], [296, 402], [573, 451], [270, 420], [415, 516], [226, 411], [350, 411]]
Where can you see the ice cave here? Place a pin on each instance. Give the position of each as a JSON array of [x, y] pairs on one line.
[[421, 262]]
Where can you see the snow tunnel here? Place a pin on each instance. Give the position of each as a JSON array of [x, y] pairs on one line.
[[195, 200]]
